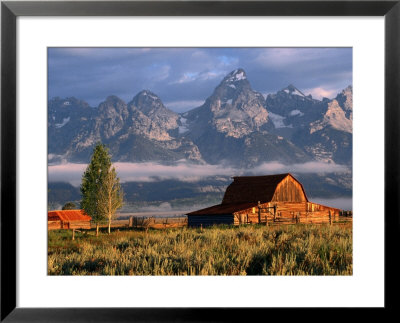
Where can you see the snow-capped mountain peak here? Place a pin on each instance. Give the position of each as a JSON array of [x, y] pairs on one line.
[[234, 109], [235, 76], [292, 90], [235, 124], [147, 95]]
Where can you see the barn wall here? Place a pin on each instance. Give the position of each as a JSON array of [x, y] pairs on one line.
[[53, 225], [289, 190], [247, 216], [288, 212], [209, 220], [79, 225]]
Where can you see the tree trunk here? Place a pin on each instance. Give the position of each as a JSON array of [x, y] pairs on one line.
[[97, 229], [109, 226]]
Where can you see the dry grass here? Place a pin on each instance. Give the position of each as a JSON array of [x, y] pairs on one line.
[[246, 250]]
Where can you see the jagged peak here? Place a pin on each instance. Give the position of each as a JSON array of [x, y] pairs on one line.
[[348, 91], [147, 102], [235, 76], [148, 94], [349, 88], [110, 103], [292, 90], [114, 99], [345, 99], [234, 81], [146, 97]]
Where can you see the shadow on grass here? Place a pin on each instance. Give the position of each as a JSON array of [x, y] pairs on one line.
[[259, 264]]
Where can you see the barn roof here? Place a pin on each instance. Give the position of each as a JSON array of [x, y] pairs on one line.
[[254, 188], [245, 192], [68, 215], [223, 209]]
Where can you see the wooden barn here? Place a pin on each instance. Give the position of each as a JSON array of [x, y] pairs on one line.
[[68, 219], [267, 199]]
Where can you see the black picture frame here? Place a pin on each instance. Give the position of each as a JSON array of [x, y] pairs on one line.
[[10, 10]]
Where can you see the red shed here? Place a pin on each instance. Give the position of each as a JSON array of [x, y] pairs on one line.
[[68, 219]]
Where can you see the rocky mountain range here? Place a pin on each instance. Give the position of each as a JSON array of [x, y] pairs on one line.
[[236, 125]]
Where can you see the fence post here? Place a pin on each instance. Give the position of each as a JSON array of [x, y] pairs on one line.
[[73, 234], [330, 217]]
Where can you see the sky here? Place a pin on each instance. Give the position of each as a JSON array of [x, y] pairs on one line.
[[184, 77]]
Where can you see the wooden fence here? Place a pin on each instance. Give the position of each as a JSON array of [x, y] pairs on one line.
[[146, 222], [346, 214], [309, 218], [157, 223], [114, 224], [177, 222], [293, 217], [132, 222]]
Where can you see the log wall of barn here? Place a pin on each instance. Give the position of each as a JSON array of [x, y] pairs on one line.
[[79, 225], [287, 212], [248, 216], [55, 225], [289, 190], [209, 220]]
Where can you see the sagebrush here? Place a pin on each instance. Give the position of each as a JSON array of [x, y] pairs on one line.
[[245, 250]]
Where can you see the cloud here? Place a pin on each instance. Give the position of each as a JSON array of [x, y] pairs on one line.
[[278, 57], [186, 171], [228, 60], [203, 76], [181, 170], [185, 78], [183, 74], [309, 167], [141, 172], [320, 93], [296, 57], [71, 173]]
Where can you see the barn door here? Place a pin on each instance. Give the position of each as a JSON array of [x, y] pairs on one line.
[[243, 218]]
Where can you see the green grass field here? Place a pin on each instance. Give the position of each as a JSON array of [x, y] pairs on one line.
[[245, 250]]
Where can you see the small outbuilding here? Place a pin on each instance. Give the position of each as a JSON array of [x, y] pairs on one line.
[[263, 199], [68, 219]]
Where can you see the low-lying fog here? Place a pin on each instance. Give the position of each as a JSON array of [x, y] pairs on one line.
[[185, 171]]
